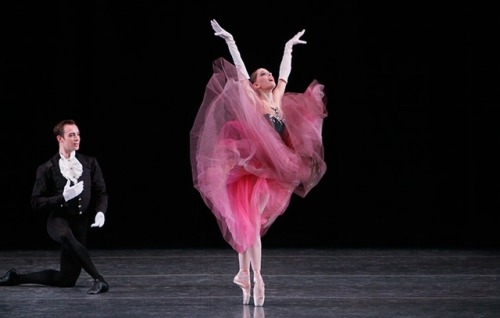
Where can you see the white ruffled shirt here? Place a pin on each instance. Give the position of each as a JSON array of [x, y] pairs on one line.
[[71, 168]]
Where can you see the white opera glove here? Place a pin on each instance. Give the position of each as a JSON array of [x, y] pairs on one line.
[[70, 192], [99, 220], [286, 62], [233, 49]]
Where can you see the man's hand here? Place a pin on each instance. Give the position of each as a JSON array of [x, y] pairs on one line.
[[71, 192], [99, 220]]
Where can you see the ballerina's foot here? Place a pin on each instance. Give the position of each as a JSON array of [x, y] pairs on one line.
[[243, 281], [259, 292]]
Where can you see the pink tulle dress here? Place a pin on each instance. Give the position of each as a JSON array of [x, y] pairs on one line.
[[243, 168]]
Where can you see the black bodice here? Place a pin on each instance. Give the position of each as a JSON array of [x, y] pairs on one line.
[[277, 123]]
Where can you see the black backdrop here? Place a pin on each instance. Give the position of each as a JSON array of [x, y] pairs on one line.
[[410, 141]]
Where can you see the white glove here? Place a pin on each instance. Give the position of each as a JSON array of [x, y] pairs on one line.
[[286, 62], [233, 49], [99, 220], [71, 192]]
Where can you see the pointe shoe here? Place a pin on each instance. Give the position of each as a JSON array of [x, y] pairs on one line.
[[10, 278], [98, 287], [243, 280], [259, 292]]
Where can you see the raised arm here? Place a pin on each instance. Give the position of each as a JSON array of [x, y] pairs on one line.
[[233, 49], [286, 62]]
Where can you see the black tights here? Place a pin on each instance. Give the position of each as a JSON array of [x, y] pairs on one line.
[[71, 233]]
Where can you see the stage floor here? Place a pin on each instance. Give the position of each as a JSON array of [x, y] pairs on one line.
[[299, 283]]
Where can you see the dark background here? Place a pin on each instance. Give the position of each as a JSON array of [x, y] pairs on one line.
[[410, 140]]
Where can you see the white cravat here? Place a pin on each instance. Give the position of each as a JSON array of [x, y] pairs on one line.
[[71, 168]]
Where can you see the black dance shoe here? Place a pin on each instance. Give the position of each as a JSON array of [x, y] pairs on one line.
[[10, 278], [98, 287]]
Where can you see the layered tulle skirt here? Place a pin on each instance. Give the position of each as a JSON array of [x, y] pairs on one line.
[[244, 170]]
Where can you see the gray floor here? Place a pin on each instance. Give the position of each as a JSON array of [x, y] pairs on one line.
[[299, 283]]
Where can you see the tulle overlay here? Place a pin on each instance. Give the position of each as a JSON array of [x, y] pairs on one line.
[[244, 170]]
